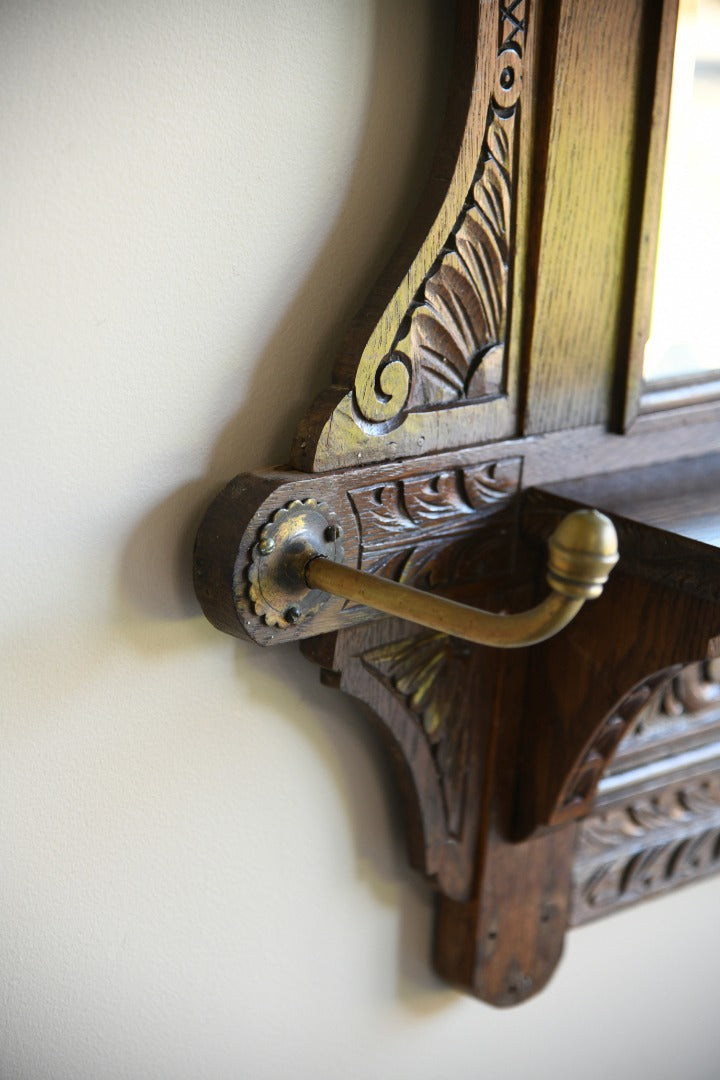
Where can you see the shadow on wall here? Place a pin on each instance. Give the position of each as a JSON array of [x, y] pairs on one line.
[[353, 754], [155, 573], [401, 124]]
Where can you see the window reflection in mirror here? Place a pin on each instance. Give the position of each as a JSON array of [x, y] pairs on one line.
[[684, 340]]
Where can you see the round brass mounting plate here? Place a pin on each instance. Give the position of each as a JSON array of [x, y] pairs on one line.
[[297, 533]]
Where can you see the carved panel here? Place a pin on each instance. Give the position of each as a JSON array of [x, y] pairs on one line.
[[582, 782], [442, 339], [665, 703], [451, 344], [453, 339], [416, 684], [412, 530], [651, 843], [388, 513], [651, 712], [684, 713], [656, 819], [428, 671]]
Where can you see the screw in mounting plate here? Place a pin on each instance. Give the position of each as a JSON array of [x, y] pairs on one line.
[[292, 615]]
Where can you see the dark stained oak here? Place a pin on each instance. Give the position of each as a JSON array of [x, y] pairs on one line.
[[584, 214], [492, 383], [655, 822], [681, 497]]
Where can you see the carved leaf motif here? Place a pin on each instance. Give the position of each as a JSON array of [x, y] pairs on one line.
[[428, 672], [649, 814], [650, 870], [663, 703], [637, 843], [582, 781], [411, 530], [450, 344], [492, 482], [431, 503], [651, 711], [457, 330], [686, 697], [440, 497], [402, 506]]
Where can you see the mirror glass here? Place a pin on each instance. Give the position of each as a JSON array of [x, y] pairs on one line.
[[684, 339]]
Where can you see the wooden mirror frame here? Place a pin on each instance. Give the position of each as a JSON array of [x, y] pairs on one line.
[[491, 383]]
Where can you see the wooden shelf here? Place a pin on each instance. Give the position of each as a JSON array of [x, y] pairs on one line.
[[681, 497]]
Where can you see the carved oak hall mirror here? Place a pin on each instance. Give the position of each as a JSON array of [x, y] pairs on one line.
[[557, 759]]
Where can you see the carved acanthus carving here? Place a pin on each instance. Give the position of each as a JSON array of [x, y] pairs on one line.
[[428, 671], [388, 513], [403, 525], [581, 784], [450, 345], [648, 845], [442, 339], [672, 715], [661, 702], [635, 843], [650, 815], [416, 683]]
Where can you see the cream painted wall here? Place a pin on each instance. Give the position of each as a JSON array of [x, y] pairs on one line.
[[202, 874]]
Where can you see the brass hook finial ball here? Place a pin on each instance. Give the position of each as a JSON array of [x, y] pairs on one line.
[[582, 552]]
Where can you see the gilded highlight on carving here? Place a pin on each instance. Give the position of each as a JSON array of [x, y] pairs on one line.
[[450, 346], [429, 672], [456, 333]]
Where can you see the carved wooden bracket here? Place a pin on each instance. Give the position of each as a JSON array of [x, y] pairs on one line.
[[487, 366]]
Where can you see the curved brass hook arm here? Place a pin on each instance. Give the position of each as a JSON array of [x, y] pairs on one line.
[[438, 613], [582, 553]]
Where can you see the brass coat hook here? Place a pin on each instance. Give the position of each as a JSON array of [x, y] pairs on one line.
[[298, 559]]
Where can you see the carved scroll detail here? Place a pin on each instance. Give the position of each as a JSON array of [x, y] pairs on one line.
[[684, 696], [450, 346], [652, 843], [659, 703], [648, 814], [581, 784], [388, 514], [409, 529], [635, 843], [455, 340], [428, 672]]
